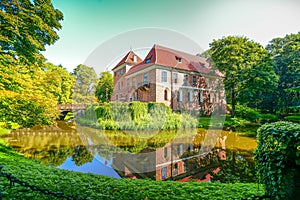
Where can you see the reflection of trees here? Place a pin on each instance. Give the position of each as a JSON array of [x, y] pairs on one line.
[[239, 166], [57, 157], [81, 155]]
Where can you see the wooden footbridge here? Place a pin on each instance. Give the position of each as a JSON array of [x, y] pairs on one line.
[[71, 107]]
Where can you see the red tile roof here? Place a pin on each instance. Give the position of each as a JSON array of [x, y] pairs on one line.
[[169, 57], [129, 59]]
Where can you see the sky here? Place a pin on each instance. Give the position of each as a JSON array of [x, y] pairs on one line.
[[104, 30]]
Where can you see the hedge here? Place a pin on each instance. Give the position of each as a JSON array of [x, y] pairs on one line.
[[278, 159]]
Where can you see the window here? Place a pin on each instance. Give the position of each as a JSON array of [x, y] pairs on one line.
[[185, 79], [164, 76], [128, 83], [186, 166], [120, 72], [175, 77], [117, 97], [180, 95], [210, 84], [175, 170], [166, 94], [118, 85], [133, 82], [200, 97], [164, 173], [146, 78], [179, 60], [212, 99], [194, 80], [148, 60], [190, 94], [165, 152]]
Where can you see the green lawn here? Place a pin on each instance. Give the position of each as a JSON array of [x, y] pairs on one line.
[[89, 186]]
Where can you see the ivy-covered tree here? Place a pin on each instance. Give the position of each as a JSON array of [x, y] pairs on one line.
[[285, 54], [85, 84], [105, 87], [26, 27], [249, 75]]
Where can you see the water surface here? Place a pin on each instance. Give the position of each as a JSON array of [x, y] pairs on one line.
[[183, 155]]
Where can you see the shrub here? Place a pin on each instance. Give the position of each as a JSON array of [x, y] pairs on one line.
[[120, 111], [107, 124], [90, 114], [293, 118], [264, 118], [173, 121], [187, 121], [158, 115], [246, 113], [138, 110], [278, 157], [104, 112], [69, 116]]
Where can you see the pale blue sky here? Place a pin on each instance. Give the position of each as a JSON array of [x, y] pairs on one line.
[[88, 24]]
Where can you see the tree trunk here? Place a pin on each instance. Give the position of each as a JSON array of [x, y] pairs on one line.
[[232, 103]]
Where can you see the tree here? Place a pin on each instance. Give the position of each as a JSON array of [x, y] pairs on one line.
[[22, 99], [105, 87], [26, 27], [247, 69], [59, 82], [285, 54], [85, 84]]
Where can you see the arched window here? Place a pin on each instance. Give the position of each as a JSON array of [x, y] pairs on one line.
[[166, 94]]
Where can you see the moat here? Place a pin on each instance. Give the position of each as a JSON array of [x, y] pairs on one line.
[[183, 155]]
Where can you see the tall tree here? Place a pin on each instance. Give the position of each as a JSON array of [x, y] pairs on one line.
[[285, 54], [85, 84], [105, 87], [247, 69], [26, 27]]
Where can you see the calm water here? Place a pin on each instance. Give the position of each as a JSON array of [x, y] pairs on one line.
[[183, 155]]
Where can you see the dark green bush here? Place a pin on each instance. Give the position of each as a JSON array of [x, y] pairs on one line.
[[278, 159]]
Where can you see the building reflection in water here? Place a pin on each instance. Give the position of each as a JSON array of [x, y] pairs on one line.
[[178, 155], [176, 161]]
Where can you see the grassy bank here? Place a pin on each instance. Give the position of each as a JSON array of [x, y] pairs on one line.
[[89, 186]]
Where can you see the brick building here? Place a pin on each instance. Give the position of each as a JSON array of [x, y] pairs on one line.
[[178, 79]]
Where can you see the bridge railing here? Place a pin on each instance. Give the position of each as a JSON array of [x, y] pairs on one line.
[[71, 106]]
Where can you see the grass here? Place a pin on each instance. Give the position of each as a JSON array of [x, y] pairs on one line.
[[236, 124], [90, 186]]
